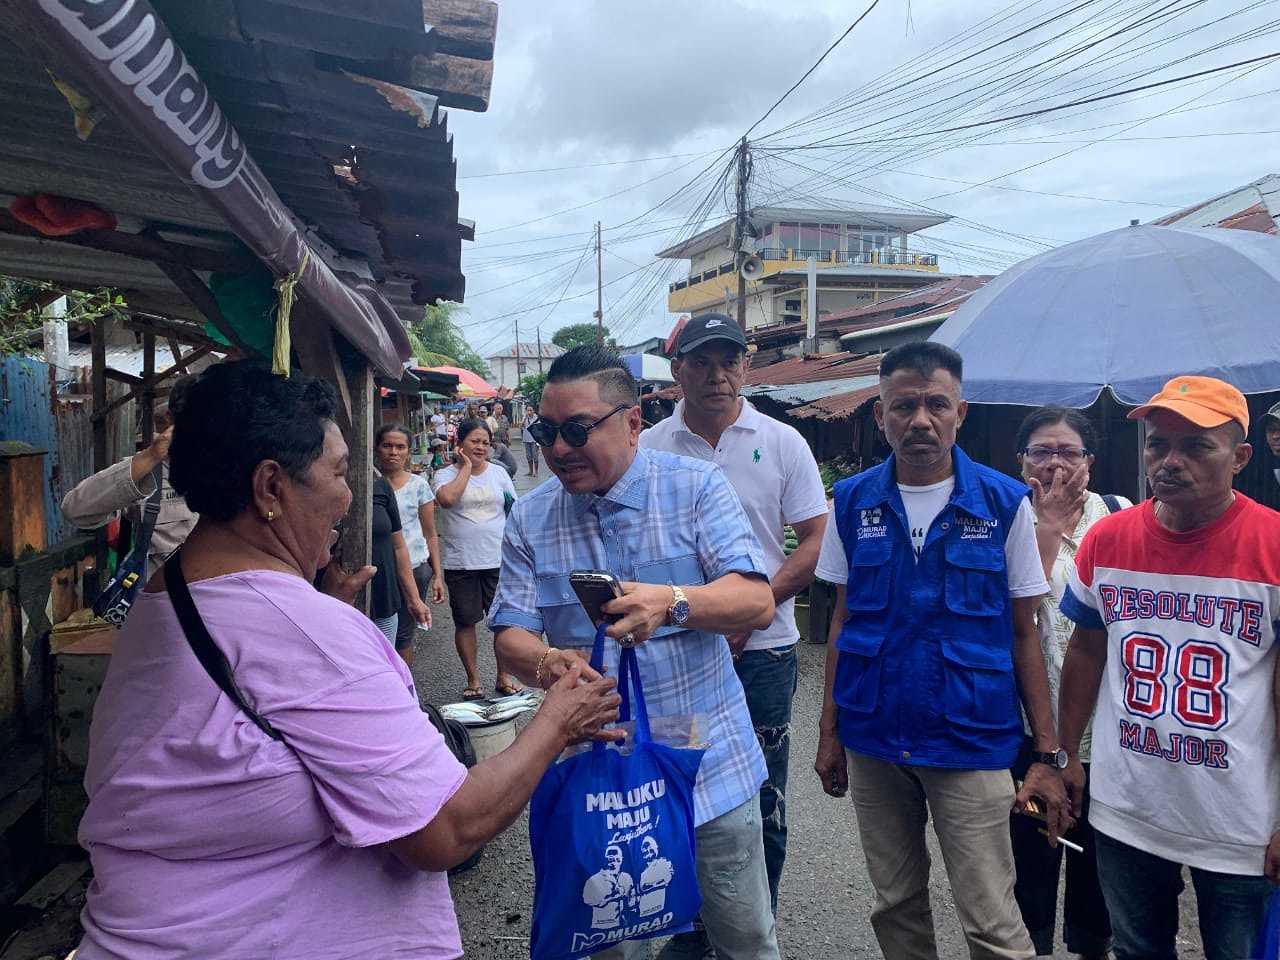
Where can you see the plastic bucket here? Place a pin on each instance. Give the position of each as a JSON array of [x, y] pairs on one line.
[[492, 738]]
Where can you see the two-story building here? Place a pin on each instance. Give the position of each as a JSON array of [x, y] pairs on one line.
[[863, 256], [511, 365]]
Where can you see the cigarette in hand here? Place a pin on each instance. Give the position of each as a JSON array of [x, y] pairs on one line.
[[1066, 843]]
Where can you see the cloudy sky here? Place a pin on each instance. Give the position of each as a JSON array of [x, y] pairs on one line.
[[619, 112]]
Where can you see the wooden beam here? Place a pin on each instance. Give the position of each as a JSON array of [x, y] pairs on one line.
[[190, 358], [194, 289], [148, 392], [463, 28], [140, 246], [175, 331], [119, 376], [457, 81], [356, 545], [318, 357], [98, 371]]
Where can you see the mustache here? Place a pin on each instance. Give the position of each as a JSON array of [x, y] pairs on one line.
[[1169, 478]]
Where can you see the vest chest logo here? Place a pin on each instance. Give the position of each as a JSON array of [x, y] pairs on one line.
[[871, 524], [976, 528]]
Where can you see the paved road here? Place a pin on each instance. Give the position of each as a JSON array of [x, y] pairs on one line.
[[825, 898]]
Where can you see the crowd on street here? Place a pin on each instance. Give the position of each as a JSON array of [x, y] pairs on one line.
[[1035, 665]]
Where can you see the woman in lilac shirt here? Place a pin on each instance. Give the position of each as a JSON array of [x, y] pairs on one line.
[[211, 839]]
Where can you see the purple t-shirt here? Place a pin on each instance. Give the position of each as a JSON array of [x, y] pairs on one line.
[[209, 839]]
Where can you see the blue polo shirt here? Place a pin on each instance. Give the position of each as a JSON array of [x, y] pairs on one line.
[[925, 673]]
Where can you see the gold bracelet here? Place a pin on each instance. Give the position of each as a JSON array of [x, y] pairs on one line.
[[537, 673]]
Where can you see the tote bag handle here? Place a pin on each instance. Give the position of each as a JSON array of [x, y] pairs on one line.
[[629, 688]]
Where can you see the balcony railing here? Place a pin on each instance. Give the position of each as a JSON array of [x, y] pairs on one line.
[[869, 258]]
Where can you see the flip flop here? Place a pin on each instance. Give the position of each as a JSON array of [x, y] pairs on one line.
[[472, 693], [508, 689]]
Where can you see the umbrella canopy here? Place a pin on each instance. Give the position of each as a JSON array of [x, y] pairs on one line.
[[469, 384], [1129, 310], [647, 367]]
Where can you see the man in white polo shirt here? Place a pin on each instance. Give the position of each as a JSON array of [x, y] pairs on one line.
[[776, 478]]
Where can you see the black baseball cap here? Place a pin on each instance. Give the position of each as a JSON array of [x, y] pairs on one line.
[[1272, 414], [707, 327]]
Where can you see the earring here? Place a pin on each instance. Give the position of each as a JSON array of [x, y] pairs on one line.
[[271, 515]]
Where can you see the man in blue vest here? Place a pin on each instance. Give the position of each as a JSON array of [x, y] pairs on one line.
[[932, 646]]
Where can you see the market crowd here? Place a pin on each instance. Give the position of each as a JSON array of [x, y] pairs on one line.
[[1026, 660]]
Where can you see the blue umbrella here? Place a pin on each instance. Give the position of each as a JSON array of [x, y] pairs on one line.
[[1126, 310]]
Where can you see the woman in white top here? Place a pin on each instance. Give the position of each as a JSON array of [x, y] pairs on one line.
[[417, 506], [1055, 450], [474, 497]]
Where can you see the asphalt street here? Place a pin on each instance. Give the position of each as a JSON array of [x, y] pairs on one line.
[[826, 896]]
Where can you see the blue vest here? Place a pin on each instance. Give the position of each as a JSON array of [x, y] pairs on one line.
[[925, 674]]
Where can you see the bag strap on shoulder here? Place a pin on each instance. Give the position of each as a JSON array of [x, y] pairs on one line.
[[1113, 503], [211, 658]]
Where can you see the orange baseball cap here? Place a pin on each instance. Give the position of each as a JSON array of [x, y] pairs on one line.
[[1206, 401]]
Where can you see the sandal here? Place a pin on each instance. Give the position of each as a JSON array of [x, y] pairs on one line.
[[508, 689], [472, 693]]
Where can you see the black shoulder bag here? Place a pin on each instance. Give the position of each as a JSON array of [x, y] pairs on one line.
[[116, 599], [211, 658]]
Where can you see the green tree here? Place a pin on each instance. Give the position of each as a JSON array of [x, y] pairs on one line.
[[576, 334], [531, 386], [21, 318], [437, 333]]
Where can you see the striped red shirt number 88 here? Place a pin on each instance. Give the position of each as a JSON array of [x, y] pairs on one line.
[[1200, 672]]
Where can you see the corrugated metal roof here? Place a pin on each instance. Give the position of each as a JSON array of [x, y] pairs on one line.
[[839, 406], [1255, 206], [335, 102], [801, 393], [529, 351]]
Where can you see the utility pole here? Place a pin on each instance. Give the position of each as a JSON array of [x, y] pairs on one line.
[[740, 233], [599, 287], [517, 387], [539, 351]]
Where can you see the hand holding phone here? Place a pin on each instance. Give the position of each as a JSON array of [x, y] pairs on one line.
[[595, 588]]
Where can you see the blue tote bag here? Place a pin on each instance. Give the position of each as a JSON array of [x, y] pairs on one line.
[[612, 838], [1268, 946]]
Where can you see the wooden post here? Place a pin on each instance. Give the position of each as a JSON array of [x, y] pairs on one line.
[[98, 371], [356, 545], [149, 390]]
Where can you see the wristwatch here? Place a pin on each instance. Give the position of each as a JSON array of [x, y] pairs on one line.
[[678, 612], [1054, 758]]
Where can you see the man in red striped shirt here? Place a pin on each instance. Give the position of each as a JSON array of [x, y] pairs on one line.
[[1177, 610]]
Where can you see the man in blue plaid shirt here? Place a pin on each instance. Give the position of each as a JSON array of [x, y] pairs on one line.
[[672, 529]]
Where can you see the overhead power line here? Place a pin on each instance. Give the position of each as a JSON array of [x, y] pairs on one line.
[[817, 63]]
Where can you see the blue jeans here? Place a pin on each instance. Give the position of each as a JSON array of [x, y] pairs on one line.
[[1142, 896], [735, 891], [769, 681]]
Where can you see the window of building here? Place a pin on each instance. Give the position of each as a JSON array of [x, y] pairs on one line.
[[791, 306], [789, 235], [829, 238]]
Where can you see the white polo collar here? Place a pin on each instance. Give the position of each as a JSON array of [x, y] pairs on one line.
[[748, 418]]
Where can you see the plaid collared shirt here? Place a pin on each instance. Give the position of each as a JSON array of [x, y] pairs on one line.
[[669, 520]]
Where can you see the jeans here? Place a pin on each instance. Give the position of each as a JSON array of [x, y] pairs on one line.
[[1142, 894], [735, 891], [1086, 927], [769, 681]]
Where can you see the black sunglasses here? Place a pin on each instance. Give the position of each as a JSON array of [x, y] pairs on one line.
[[544, 432]]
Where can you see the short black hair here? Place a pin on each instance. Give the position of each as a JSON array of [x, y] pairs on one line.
[[601, 364], [232, 417], [386, 428], [470, 426], [924, 357], [1050, 416]]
